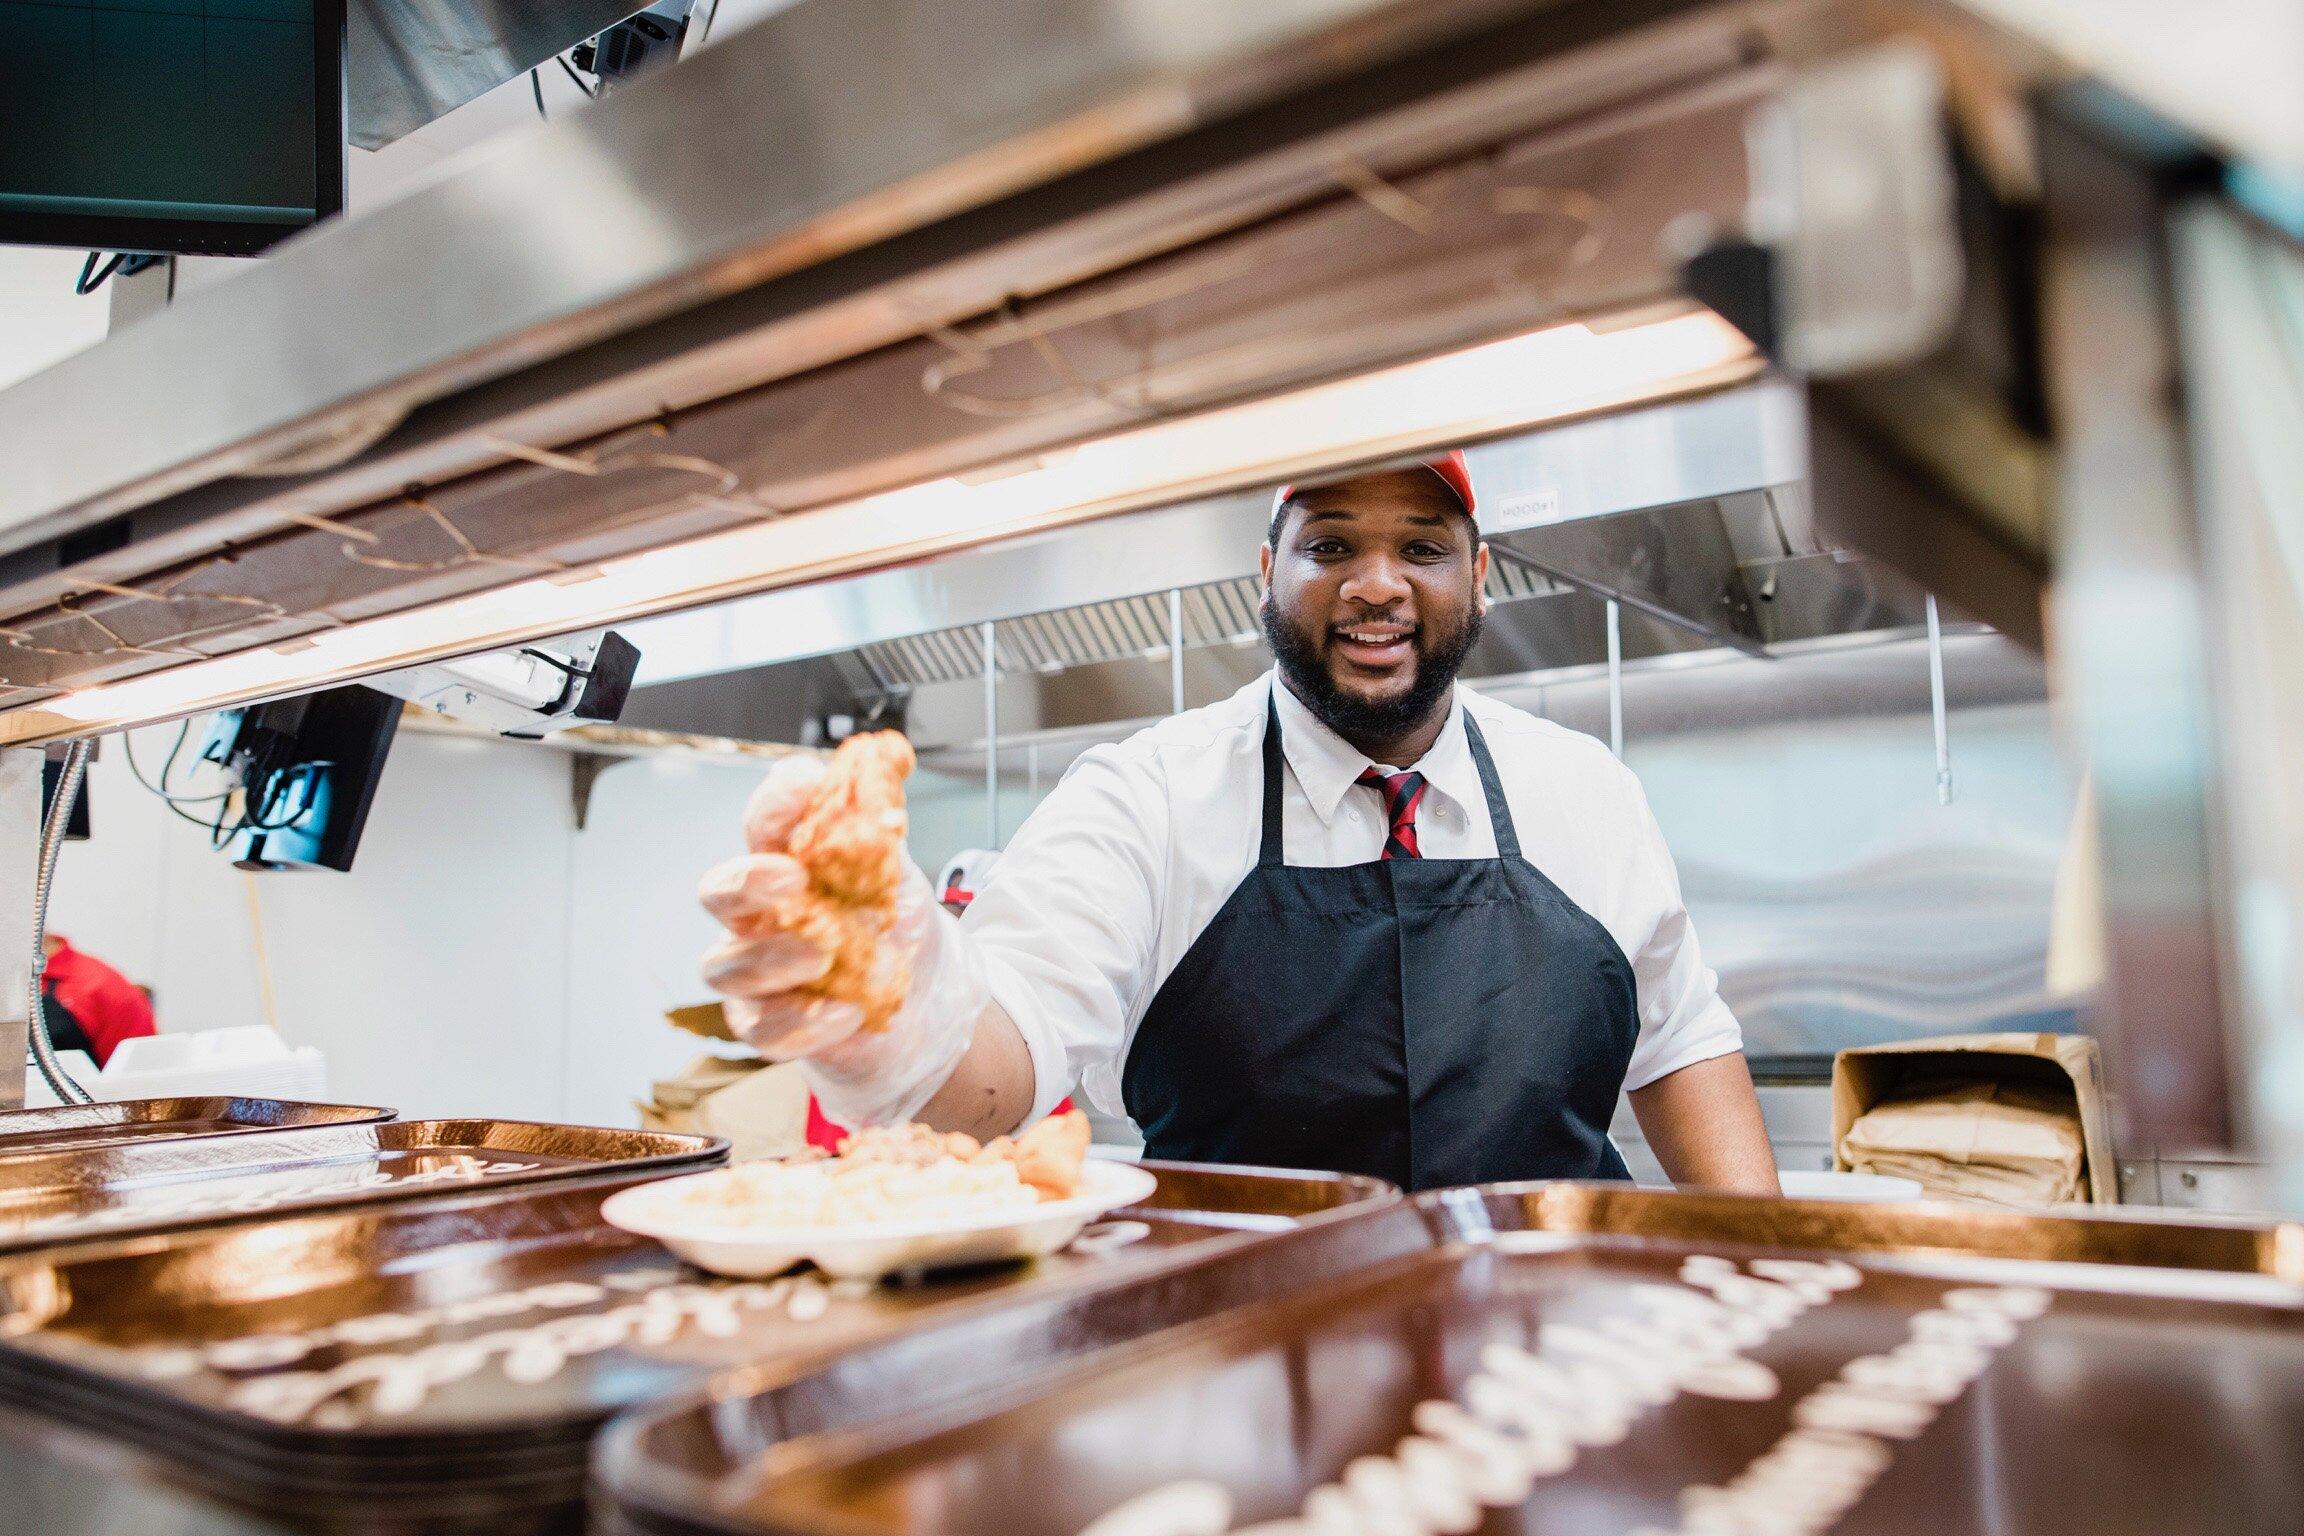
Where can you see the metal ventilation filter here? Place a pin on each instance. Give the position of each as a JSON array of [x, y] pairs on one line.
[[1218, 613]]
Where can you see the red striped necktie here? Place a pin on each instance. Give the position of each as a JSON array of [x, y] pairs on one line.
[[1402, 793]]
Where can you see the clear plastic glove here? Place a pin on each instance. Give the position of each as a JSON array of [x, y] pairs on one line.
[[776, 944]]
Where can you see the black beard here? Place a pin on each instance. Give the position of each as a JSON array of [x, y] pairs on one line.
[[1356, 719]]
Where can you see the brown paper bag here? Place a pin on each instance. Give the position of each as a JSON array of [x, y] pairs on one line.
[[761, 1108], [2007, 1143]]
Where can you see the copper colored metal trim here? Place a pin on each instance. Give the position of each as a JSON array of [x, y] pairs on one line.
[[148, 1343], [76, 1126], [108, 1193]]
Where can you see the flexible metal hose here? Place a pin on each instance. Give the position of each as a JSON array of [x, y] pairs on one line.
[[51, 842]]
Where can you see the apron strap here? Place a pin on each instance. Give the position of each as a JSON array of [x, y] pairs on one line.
[[1499, 813], [1269, 853]]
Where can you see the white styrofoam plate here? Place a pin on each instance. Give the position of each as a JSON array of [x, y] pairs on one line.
[[871, 1250]]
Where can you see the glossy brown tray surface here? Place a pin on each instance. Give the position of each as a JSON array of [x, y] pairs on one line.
[[2162, 1399], [136, 1186], [420, 1327], [69, 1127]]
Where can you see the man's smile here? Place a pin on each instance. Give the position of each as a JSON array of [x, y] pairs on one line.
[[1375, 645]]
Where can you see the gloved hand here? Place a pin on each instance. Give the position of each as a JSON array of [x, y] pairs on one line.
[[776, 943]]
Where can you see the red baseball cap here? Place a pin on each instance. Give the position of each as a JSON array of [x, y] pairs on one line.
[[1454, 473]]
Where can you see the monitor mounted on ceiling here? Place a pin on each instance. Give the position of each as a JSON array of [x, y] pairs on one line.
[[209, 127]]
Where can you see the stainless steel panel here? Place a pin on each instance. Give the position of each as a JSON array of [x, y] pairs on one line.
[[2132, 627], [407, 62], [760, 156], [19, 852], [1261, 309], [2218, 1184], [1674, 564], [2241, 303], [1896, 197], [64, 1482], [1717, 446], [1838, 902]]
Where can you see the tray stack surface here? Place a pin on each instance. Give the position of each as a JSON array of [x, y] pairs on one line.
[[71, 1127], [442, 1364], [1608, 1360], [103, 1192]]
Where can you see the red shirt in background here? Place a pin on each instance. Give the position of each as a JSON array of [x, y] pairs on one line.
[[109, 1006]]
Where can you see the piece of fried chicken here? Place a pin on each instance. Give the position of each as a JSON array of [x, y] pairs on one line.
[[1048, 1156], [851, 833], [827, 857]]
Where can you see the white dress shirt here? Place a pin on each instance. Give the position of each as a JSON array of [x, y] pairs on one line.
[[1110, 880]]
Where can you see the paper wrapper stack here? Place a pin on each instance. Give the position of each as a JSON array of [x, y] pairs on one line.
[[762, 1109], [1977, 1141], [2004, 1119]]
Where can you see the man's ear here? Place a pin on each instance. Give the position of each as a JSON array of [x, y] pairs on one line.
[[1264, 563], [1480, 574]]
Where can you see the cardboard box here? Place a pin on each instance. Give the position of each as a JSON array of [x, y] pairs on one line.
[[1864, 1075]]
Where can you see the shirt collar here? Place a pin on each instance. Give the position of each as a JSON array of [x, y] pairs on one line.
[[1327, 766]]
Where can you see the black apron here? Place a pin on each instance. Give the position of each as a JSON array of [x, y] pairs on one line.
[[1427, 1021]]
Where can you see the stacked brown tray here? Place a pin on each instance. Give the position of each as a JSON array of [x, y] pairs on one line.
[[71, 1127], [2071, 1375], [115, 1190], [442, 1364]]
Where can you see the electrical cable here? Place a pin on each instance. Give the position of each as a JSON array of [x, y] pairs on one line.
[[570, 71], [175, 803], [536, 84], [124, 263], [274, 792], [558, 664], [51, 843], [88, 283], [128, 744]]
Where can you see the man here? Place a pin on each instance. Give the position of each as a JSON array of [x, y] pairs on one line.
[[1352, 917]]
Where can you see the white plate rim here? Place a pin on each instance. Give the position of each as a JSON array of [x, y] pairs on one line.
[[1131, 1185]]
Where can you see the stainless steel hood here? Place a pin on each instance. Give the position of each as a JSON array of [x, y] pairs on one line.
[[1689, 516], [745, 289], [1660, 473]]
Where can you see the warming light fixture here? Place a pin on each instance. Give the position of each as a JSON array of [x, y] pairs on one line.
[[1497, 387]]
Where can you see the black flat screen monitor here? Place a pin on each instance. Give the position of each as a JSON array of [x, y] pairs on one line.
[[213, 127]]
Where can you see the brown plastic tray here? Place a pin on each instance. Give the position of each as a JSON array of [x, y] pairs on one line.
[[2161, 1391], [70, 1127], [56, 1198], [213, 1350]]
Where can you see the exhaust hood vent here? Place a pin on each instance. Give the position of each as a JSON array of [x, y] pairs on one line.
[[1218, 613]]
